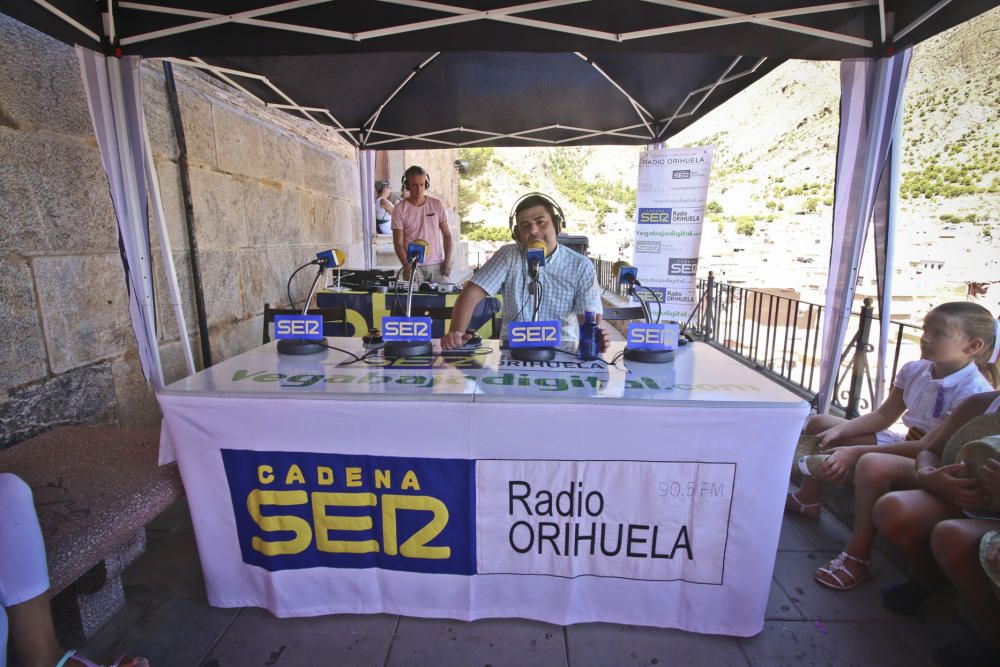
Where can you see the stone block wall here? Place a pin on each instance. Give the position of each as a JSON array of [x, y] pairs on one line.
[[268, 191]]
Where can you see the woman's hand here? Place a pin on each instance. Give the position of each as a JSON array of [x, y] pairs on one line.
[[946, 484], [840, 465]]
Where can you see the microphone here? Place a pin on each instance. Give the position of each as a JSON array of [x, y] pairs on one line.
[[330, 259], [536, 257], [416, 251], [629, 276], [327, 259]]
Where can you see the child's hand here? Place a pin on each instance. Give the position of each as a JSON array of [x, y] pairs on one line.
[[840, 465], [991, 477], [829, 436], [946, 484]]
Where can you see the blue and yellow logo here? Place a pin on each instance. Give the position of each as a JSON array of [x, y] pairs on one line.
[[297, 510], [545, 333], [406, 328], [654, 216]]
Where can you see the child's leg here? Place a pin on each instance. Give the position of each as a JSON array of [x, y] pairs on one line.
[[955, 544], [874, 475], [906, 518], [805, 501]]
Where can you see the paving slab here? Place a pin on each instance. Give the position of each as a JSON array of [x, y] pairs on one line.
[[421, 642], [343, 640], [605, 644], [792, 538], [175, 632], [838, 644], [794, 572], [826, 534], [780, 606], [169, 568]]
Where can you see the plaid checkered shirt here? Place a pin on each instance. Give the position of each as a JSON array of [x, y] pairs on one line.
[[568, 280]]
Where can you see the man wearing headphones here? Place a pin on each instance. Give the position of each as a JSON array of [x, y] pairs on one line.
[[422, 217], [568, 280]]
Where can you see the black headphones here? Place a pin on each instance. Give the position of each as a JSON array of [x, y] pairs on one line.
[[554, 210], [415, 170]]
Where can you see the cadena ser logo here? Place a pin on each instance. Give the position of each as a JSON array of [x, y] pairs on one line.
[[654, 216], [297, 510]]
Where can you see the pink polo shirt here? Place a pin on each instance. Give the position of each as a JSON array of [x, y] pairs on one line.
[[422, 222]]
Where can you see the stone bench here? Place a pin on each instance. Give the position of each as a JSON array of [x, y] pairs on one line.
[[95, 489]]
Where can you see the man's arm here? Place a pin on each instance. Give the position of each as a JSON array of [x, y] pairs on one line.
[[461, 315], [446, 243]]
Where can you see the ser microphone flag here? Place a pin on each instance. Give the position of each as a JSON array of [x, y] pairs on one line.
[[416, 251], [536, 254], [331, 259]]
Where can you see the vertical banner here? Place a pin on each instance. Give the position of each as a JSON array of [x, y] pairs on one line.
[[670, 211]]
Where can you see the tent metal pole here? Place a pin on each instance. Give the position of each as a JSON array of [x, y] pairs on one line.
[[920, 19], [219, 19], [761, 19], [68, 19], [166, 250], [182, 164]]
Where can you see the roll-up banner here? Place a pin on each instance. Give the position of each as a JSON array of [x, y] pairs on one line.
[[670, 211]]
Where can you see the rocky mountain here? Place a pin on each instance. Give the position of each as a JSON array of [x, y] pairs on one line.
[[772, 178]]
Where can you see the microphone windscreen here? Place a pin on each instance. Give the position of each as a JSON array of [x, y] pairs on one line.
[[535, 253], [331, 258], [417, 249]]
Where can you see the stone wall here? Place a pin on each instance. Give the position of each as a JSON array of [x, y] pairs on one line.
[[268, 190]]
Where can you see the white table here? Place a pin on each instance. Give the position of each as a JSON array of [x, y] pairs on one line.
[[441, 487]]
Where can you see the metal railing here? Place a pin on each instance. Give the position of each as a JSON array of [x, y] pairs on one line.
[[780, 337]]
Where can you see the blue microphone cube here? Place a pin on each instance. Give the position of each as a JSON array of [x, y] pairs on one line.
[[625, 272], [330, 258], [298, 326], [642, 336], [415, 250], [535, 334], [406, 329], [536, 255]]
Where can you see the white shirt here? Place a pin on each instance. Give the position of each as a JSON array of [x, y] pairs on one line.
[[568, 280], [929, 401]]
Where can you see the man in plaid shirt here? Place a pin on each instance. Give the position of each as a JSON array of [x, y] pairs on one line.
[[568, 280]]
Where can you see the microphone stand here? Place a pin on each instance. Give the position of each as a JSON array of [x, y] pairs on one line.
[[646, 356], [409, 348], [299, 346], [534, 353]]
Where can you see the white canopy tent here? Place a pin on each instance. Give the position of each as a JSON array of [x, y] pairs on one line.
[[594, 70]]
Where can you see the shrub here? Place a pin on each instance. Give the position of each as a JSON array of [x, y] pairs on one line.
[[745, 226]]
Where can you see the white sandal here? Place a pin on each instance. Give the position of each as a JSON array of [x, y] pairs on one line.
[[836, 566], [801, 508]]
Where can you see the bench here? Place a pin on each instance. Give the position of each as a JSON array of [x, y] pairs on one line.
[[95, 489]]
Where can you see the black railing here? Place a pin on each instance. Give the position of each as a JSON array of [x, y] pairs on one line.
[[780, 336]]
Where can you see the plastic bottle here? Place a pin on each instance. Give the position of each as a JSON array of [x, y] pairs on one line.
[[589, 338]]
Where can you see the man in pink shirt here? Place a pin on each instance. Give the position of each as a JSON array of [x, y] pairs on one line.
[[422, 217]]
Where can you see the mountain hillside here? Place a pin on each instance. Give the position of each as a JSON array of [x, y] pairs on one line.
[[772, 179]]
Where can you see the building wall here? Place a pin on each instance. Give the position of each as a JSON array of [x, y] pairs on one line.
[[268, 191]]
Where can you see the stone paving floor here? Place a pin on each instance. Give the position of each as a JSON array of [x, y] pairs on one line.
[[168, 620]]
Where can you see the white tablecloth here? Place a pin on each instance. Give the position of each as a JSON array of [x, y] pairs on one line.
[[566, 493]]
